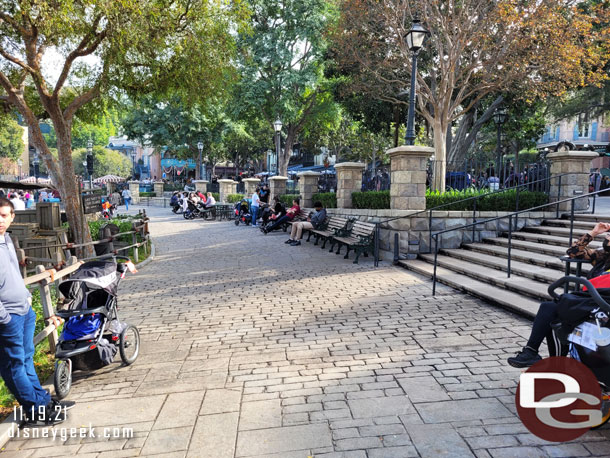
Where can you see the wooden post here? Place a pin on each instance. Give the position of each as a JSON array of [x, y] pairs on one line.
[[20, 257], [134, 241], [47, 306]]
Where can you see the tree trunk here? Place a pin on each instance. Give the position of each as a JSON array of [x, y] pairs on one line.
[[284, 156], [440, 155]]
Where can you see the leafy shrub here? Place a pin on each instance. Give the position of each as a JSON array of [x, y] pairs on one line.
[[216, 196], [371, 199], [124, 225], [232, 198], [328, 199], [148, 194], [499, 201], [287, 199]]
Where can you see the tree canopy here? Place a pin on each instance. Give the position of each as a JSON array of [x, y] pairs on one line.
[[11, 138]]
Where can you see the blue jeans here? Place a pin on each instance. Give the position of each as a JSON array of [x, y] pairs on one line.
[[127, 202], [17, 363], [254, 214]]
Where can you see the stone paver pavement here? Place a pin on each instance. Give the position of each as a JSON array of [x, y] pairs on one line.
[[255, 349]]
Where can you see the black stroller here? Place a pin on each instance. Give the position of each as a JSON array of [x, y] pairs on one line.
[[585, 308], [92, 331], [242, 213]]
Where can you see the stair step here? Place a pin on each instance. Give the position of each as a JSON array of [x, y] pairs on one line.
[[563, 242], [517, 267], [587, 225], [518, 284], [542, 260], [506, 299], [587, 217], [561, 232]]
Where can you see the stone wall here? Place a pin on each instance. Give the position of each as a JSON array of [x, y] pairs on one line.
[[414, 235]]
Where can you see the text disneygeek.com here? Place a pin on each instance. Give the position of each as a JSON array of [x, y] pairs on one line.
[[67, 433]]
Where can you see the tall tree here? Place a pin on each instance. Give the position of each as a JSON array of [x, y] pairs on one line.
[[101, 46], [282, 65], [476, 48], [11, 138]]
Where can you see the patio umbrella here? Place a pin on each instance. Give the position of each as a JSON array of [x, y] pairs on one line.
[[108, 179], [32, 180]]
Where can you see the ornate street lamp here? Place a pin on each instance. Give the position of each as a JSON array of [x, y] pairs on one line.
[[36, 163], [90, 162], [277, 125], [415, 40], [201, 166], [133, 160], [500, 117]]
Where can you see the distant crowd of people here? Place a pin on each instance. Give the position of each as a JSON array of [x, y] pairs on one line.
[[23, 199]]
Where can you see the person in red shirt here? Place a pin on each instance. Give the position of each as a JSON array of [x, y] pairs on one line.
[[289, 216], [202, 197]]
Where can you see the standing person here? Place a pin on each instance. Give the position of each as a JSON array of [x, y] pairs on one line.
[[264, 194], [16, 202], [256, 202], [126, 197], [17, 324], [313, 222]]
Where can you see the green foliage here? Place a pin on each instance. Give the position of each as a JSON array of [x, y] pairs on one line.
[[371, 199], [216, 196], [124, 225], [105, 162], [287, 199], [148, 194], [328, 199], [233, 198], [99, 130], [498, 201], [11, 138]]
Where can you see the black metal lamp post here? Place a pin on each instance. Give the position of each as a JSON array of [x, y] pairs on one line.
[[133, 160], [90, 162], [500, 118], [415, 40], [36, 165], [277, 125], [201, 166], [20, 164]]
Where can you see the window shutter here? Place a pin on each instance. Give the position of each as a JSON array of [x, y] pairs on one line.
[[575, 131], [557, 132], [593, 131]]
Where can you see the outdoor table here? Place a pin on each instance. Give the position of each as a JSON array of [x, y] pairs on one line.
[[224, 210], [579, 262]]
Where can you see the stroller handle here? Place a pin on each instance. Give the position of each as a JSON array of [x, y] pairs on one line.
[[580, 281]]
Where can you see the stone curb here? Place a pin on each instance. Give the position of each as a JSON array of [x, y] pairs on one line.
[[8, 427]]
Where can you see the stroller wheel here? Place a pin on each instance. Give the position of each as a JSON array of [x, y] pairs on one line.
[[237, 222], [129, 344], [62, 379], [605, 408], [185, 215]]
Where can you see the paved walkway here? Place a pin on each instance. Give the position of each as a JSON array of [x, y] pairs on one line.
[[252, 348]]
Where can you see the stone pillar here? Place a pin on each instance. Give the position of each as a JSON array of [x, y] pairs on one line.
[[349, 179], [158, 187], [134, 188], [277, 186], [577, 164], [201, 186], [110, 187], [227, 187], [408, 166], [251, 184], [308, 186]]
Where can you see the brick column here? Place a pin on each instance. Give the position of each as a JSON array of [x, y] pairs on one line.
[[158, 187], [277, 186], [308, 186], [408, 177], [134, 188], [201, 186], [577, 164], [227, 187], [349, 179], [251, 184]]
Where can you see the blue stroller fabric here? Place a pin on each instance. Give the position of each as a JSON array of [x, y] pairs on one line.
[[78, 327]]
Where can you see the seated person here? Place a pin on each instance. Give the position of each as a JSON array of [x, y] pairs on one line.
[[210, 202], [272, 214], [547, 313], [315, 221], [289, 216]]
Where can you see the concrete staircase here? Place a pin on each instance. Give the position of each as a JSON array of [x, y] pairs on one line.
[[480, 269]]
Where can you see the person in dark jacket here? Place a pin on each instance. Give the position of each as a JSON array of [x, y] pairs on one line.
[[278, 210], [289, 216], [547, 313], [314, 222]]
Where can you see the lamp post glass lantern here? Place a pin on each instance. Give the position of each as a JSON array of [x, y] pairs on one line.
[[500, 117], [133, 160], [201, 165], [277, 125], [90, 162], [36, 165], [415, 40]]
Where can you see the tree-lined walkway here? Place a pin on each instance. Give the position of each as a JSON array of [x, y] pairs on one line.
[[253, 348]]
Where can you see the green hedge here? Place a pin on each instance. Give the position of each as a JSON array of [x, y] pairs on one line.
[[148, 194], [232, 198], [124, 225], [287, 199], [500, 201], [216, 196], [371, 199], [328, 199]]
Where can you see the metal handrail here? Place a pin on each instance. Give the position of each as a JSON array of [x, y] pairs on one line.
[[510, 216], [430, 210]]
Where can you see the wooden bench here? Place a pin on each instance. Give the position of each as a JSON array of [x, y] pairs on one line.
[[360, 237], [328, 229]]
